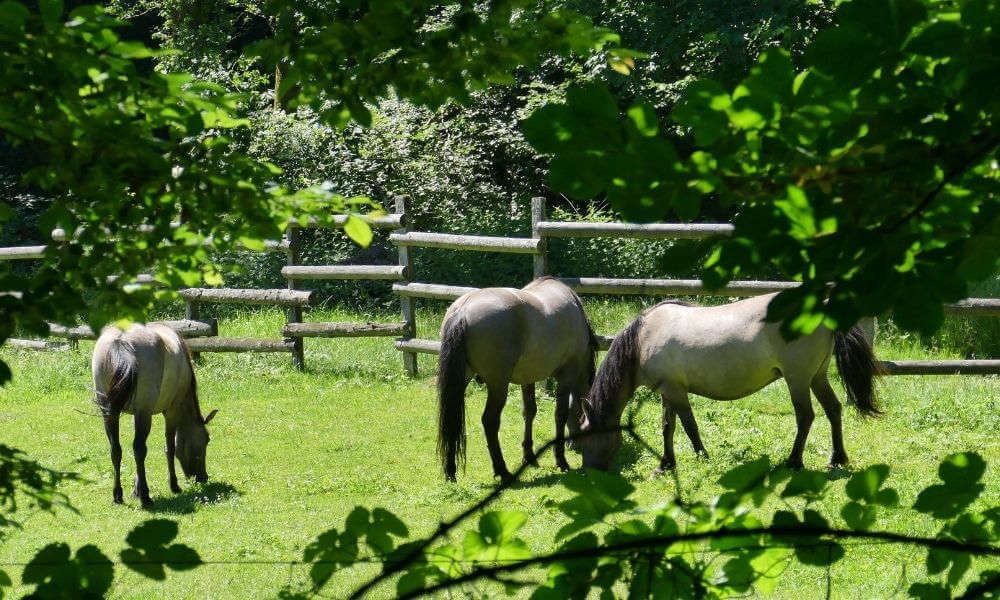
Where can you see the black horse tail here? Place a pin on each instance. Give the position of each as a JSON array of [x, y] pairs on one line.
[[617, 374], [121, 359], [451, 383], [858, 368]]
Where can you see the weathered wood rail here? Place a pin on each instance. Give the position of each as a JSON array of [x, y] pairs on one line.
[[203, 334], [537, 246]]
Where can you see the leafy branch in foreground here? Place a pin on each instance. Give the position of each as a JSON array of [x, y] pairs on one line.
[[56, 571], [869, 175], [611, 544]]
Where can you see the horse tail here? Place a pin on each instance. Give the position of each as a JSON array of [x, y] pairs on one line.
[[858, 368], [451, 382], [617, 373], [125, 375]]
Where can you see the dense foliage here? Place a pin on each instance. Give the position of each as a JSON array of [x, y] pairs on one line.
[[870, 175]]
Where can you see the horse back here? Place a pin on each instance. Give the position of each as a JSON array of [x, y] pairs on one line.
[[523, 336], [726, 351], [163, 369]]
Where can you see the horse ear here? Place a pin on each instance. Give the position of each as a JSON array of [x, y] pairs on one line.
[[210, 416]]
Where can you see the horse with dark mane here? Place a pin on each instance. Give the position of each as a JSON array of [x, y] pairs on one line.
[[503, 336], [145, 371], [723, 353]]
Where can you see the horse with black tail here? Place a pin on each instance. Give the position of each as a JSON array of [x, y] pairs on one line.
[[504, 336], [723, 353], [145, 371]]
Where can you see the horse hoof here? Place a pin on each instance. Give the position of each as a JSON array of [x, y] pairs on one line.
[[658, 471], [175, 488], [147, 502], [795, 465], [118, 500], [531, 462], [562, 466], [505, 476]]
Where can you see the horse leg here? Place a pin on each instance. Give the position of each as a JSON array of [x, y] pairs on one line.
[[576, 410], [171, 431], [530, 409], [142, 425], [831, 406], [678, 400], [496, 398], [804, 416], [562, 413], [111, 429], [668, 462]]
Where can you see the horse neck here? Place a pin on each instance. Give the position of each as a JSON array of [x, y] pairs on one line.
[[190, 412], [614, 395]]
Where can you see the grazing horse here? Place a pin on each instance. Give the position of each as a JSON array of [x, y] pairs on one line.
[[723, 353], [503, 336], [145, 371]]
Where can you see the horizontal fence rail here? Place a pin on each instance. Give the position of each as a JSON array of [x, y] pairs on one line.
[[185, 328], [479, 243], [941, 367], [892, 367], [671, 287], [431, 290], [36, 344], [390, 272], [279, 297], [649, 231], [390, 221], [22, 252], [236, 344], [320, 329], [419, 345]]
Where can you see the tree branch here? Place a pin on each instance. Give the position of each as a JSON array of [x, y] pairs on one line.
[[664, 541]]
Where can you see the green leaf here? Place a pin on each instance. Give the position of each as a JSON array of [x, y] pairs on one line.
[[961, 474], [51, 10], [938, 40], [769, 565], [858, 516], [746, 476], [806, 484], [500, 526], [846, 53], [702, 108], [929, 591], [644, 118], [359, 231], [795, 206], [411, 581], [13, 15]]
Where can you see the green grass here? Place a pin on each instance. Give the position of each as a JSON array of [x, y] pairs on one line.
[[292, 453]]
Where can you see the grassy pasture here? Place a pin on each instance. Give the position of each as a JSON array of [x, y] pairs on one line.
[[292, 453]]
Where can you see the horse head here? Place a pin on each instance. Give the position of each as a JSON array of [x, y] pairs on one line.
[[192, 445], [598, 442]]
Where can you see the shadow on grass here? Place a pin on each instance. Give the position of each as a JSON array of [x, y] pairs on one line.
[[186, 501]]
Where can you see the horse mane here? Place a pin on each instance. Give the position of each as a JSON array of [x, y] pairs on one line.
[[616, 372], [194, 380], [593, 341]]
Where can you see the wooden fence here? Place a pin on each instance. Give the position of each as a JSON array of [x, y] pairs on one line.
[[203, 333], [536, 246]]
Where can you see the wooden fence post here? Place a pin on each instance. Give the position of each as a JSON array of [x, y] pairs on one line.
[[192, 312], [295, 312], [406, 304], [537, 216]]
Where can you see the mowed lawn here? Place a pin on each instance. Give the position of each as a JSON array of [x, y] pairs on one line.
[[292, 453]]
